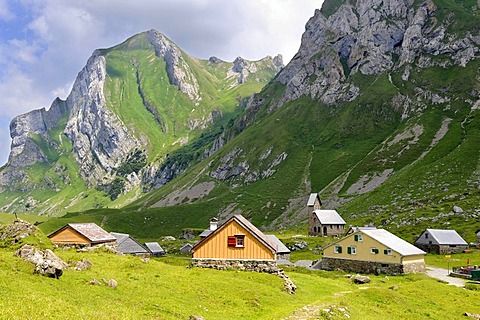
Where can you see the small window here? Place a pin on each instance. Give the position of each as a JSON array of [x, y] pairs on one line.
[[237, 241], [352, 250], [388, 252], [337, 249], [426, 235], [374, 250], [240, 240], [358, 237]]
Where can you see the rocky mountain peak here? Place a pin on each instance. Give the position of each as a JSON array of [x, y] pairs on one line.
[[179, 73]]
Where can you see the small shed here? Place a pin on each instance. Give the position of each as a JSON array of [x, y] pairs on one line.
[[325, 223], [155, 249], [186, 248], [283, 253], [128, 245], [441, 241], [82, 234]]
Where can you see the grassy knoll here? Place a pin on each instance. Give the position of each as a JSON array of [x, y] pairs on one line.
[[167, 289]]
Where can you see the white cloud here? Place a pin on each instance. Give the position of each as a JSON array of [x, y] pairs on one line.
[[5, 13]]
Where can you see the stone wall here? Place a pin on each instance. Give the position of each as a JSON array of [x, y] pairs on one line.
[[441, 249], [371, 266], [268, 266]]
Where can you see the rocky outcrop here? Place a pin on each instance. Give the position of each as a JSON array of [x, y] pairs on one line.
[[46, 262], [179, 73], [370, 37], [17, 231], [100, 139], [242, 68]]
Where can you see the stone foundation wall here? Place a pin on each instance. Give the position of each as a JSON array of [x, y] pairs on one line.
[[268, 266], [371, 266], [440, 249]]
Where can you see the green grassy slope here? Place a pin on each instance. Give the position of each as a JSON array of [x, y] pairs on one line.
[[133, 71], [165, 289]]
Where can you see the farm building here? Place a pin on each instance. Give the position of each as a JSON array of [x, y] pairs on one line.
[[325, 223], [371, 250], [236, 242], [155, 249], [82, 234], [283, 253], [128, 245], [186, 248], [441, 241]]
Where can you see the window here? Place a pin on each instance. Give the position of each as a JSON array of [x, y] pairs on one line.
[[352, 250], [237, 241], [388, 252], [240, 240], [426, 235], [374, 250], [337, 249], [358, 237]]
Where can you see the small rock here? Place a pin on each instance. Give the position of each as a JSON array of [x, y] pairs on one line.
[[111, 283], [358, 279], [83, 265], [394, 287], [457, 209], [196, 318], [472, 315], [145, 260], [168, 238], [94, 282]]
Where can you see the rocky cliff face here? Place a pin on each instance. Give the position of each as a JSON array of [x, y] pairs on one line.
[[371, 37], [92, 132], [100, 140]]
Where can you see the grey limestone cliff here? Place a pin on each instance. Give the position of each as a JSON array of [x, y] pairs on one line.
[[370, 37]]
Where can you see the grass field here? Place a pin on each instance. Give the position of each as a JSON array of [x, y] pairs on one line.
[[168, 289]]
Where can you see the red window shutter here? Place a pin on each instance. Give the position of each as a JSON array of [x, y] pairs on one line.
[[232, 241]]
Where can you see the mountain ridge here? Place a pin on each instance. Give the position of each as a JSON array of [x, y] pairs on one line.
[[115, 109]]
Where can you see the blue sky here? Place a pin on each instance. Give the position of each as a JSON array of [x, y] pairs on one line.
[[45, 43]]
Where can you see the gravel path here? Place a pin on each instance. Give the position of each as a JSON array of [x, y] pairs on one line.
[[442, 274]]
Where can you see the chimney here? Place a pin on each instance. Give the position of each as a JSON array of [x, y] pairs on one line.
[[213, 224]]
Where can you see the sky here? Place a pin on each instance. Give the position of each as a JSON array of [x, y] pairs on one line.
[[45, 43]]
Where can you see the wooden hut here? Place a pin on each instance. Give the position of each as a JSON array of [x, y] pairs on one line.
[[83, 234]]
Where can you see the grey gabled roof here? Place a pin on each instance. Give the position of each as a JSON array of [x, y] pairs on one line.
[[441, 237], [154, 247], [205, 233], [392, 241], [311, 199], [127, 244], [329, 217], [281, 248]]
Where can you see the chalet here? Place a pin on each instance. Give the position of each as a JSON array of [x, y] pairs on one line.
[[128, 245], [371, 250], [81, 234], [441, 241], [325, 223], [155, 249], [235, 242]]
